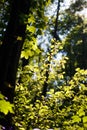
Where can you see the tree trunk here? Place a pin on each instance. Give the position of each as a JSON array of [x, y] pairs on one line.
[[10, 51]]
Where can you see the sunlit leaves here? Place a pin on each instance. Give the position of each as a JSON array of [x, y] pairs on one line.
[[27, 54], [76, 119], [81, 112], [31, 19], [31, 29], [85, 119], [5, 106], [65, 103], [30, 48], [63, 108]]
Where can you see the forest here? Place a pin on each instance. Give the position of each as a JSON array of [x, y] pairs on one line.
[[43, 64]]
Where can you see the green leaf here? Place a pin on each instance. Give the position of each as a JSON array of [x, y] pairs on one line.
[[31, 29], [81, 112], [76, 119], [31, 19], [27, 54], [85, 125], [51, 91], [84, 119], [5, 107], [24, 55]]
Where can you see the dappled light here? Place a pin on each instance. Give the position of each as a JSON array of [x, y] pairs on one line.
[[43, 65]]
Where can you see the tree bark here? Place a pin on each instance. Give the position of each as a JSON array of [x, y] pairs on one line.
[[10, 51]]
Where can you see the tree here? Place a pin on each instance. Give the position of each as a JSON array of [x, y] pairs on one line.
[[73, 27], [61, 106], [11, 46], [10, 50]]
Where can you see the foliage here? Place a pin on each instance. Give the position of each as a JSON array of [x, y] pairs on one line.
[[74, 37], [64, 106], [5, 106], [65, 103]]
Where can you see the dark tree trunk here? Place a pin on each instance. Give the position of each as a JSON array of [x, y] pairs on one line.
[[10, 51]]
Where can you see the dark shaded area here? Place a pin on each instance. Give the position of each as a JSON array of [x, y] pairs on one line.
[[10, 52]]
